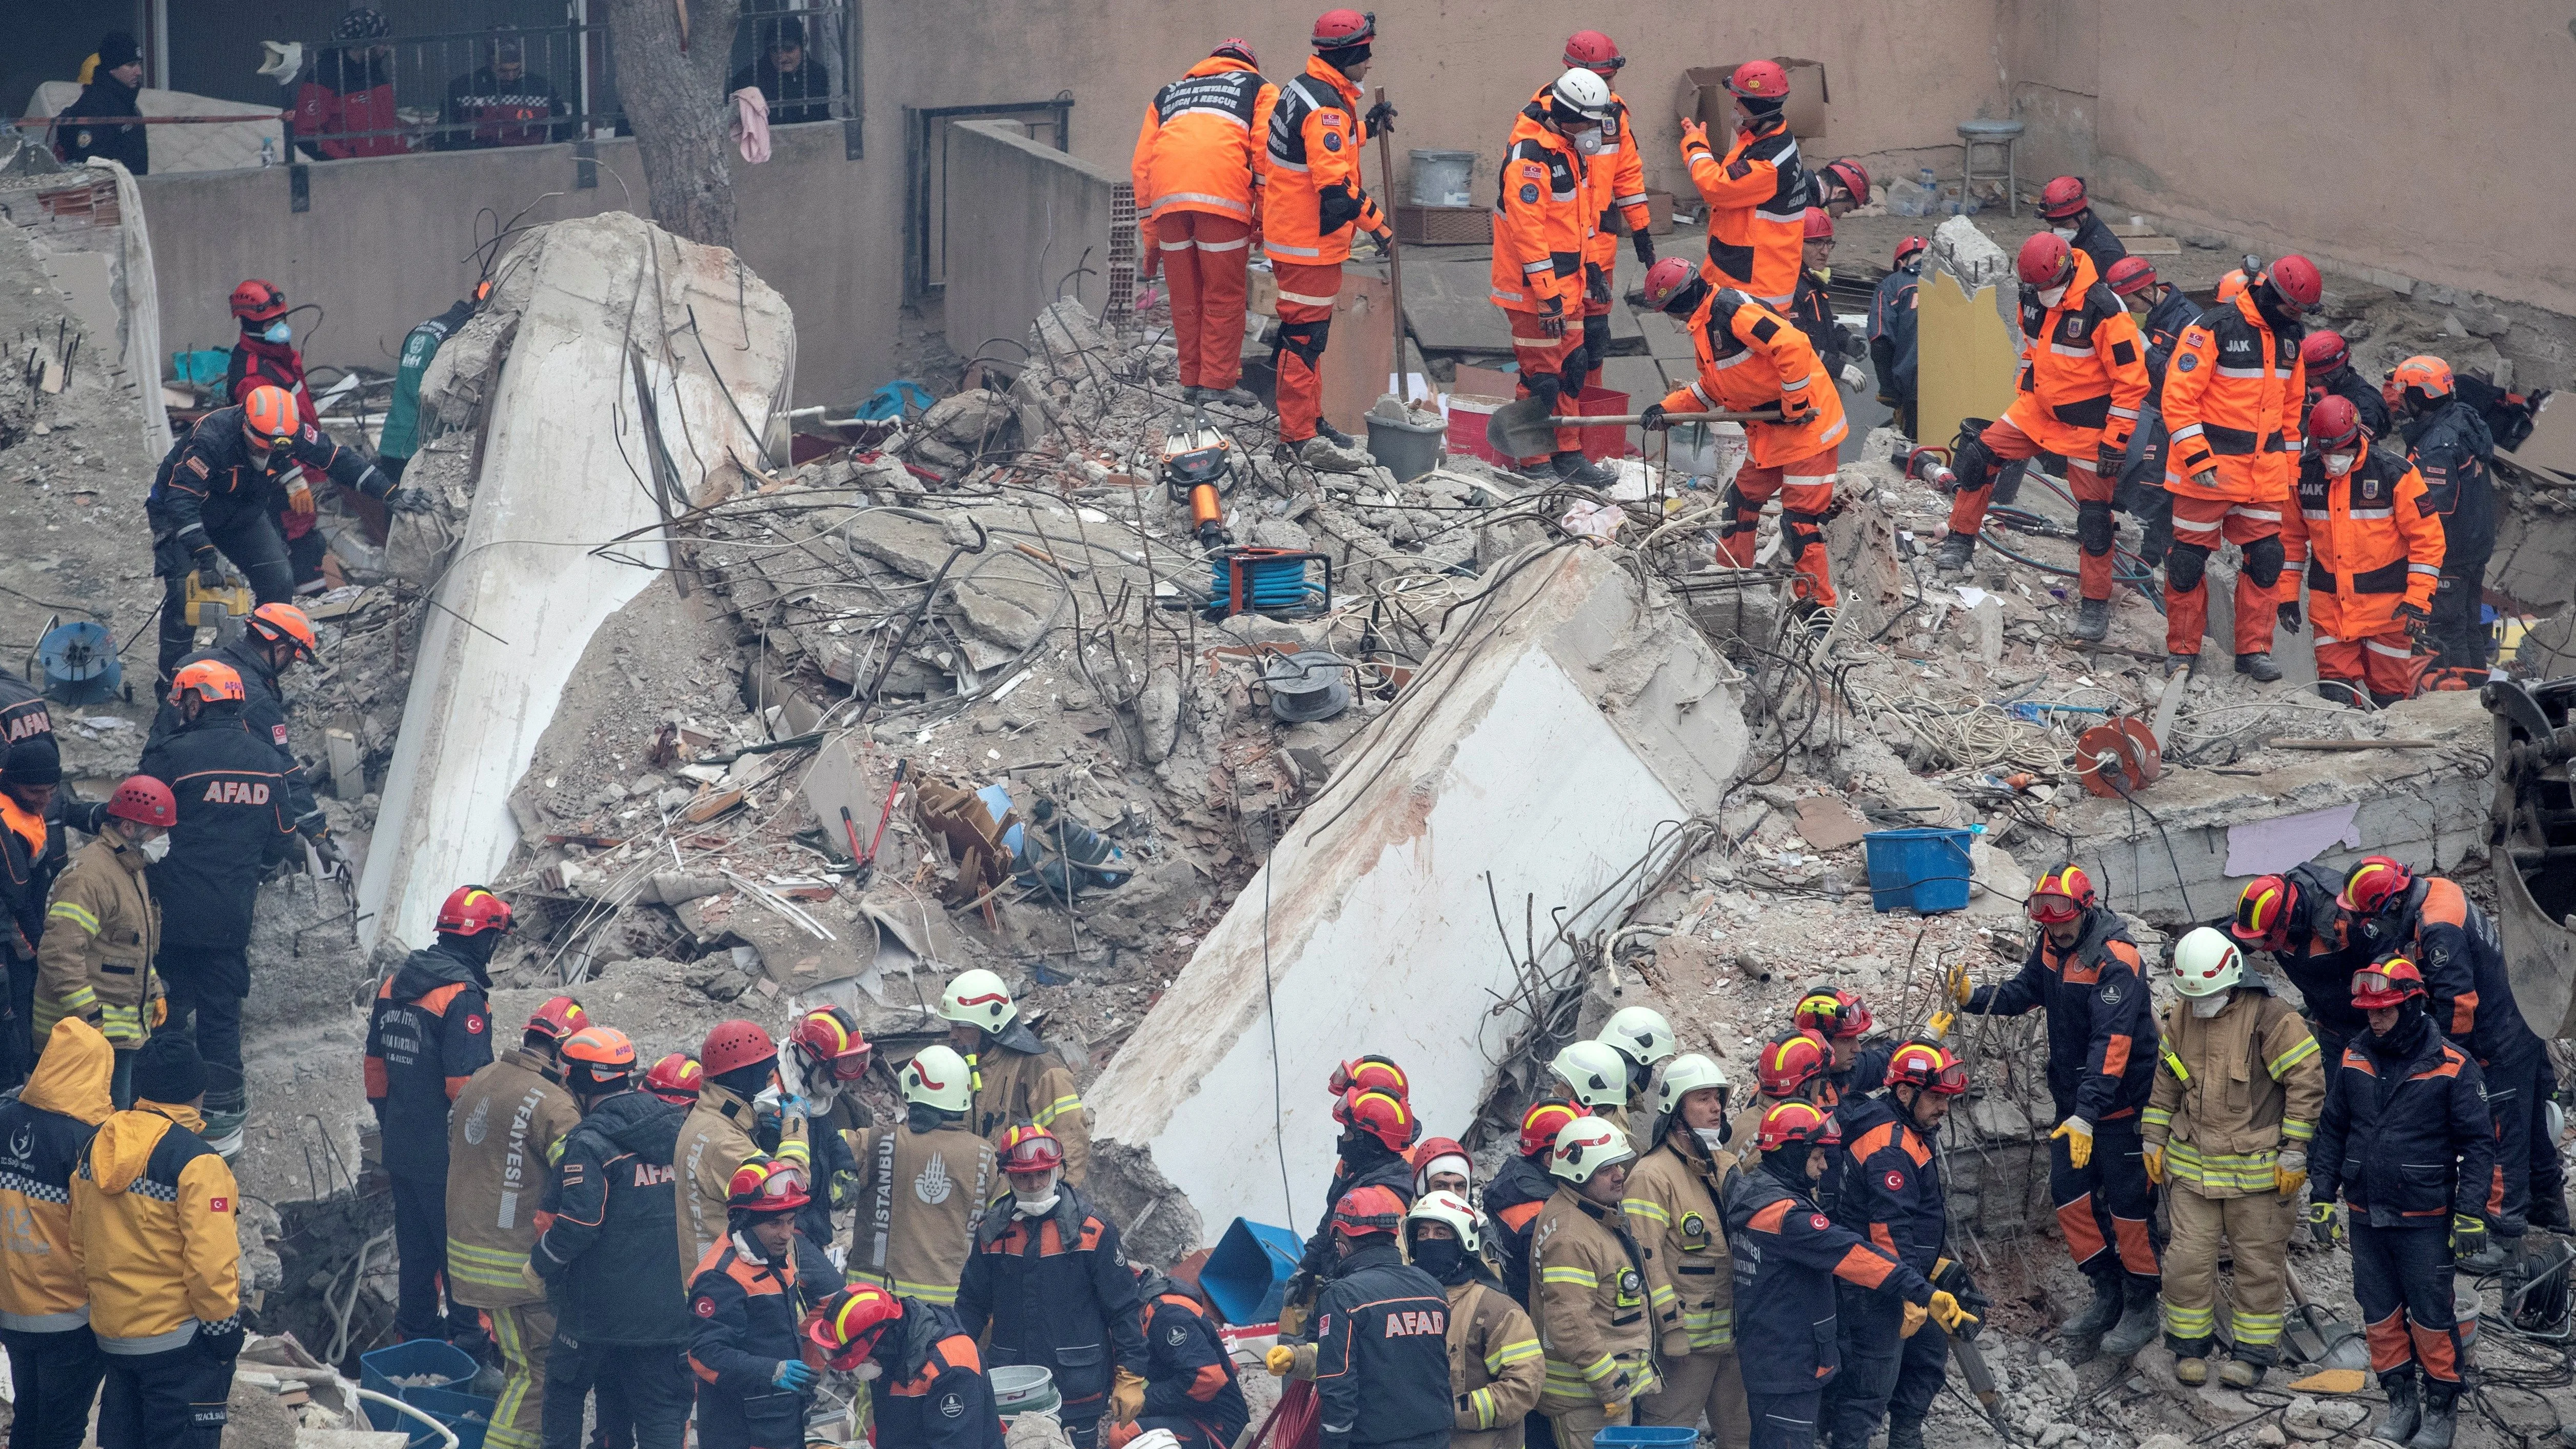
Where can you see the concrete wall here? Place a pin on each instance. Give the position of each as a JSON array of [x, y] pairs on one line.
[[391, 241], [1020, 217], [2357, 131]]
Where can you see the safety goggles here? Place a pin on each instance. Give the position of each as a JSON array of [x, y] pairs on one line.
[[2372, 981], [2054, 910], [785, 1180], [1951, 1082]]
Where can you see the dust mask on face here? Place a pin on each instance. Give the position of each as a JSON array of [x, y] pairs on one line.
[[2338, 464], [1712, 1138], [1824, 274], [1588, 142], [278, 331], [1031, 1205], [2208, 1006], [156, 849], [2051, 296], [2067, 232]]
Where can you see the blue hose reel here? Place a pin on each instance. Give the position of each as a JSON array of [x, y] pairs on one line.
[[1275, 581]]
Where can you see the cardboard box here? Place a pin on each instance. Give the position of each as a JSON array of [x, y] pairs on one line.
[[1705, 98]]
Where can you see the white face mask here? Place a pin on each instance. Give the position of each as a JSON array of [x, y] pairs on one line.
[[1711, 1138], [1029, 1206], [2208, 1006], [1587, 142], [2051, 296], [869, 1371], [278, 331], [156, 849], [2067, 232], [2338, 464]]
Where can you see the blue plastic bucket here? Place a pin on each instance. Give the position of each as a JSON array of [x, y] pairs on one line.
[[1625, 1436], [1247, 1274], [468, 1416], [1923, 870], [445, 1364]]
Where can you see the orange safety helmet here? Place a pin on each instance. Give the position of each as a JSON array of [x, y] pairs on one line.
[[1341, 29], [207, 680], [676, 1079], [847, 1325], [1820, 224], [2045, 261], [1759, 80], [2062, 895], [1832, 1013], [2263, 908], [2383, 984], [1593, 51], [1930, 1066], [1791, 1062], [766, 1186], [1031, 1149], [272, 622], [2063, 197], [1365, 1210], [1366, 1074], [2129, 276], [2231, 286], [269, 416], [2334, 424], [2430, 376], [1380, 1114], [2373, 884], [602, 1051], [733, 1045], [257, 300], [1545, 1118], [557, 1020], [1797, 1124], [2296, 281], [829, 1037], [145, 801]]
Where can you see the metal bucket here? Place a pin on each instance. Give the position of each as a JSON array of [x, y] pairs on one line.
[[1440, 177]]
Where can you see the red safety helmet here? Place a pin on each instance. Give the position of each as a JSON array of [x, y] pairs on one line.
[[258, 301], [847, 1325], [1382, 1115], [1237, 47], [1545, 1118], [471, 910], [1430, 1150], [1910, 248], [1365, 1210], [2334, 424], [2430, 376], [2323, 351], [557, 1019], [2263, 908], [2045, 261], [2298, 282], [1593, 51], [1930, 1066], [1790, 1062], [765, 1186], [603, 1050], [2384, 984], [1820, 224], [1337, 29], [1851, 176], [1031, 1149], [1831, 1013], [2129, 276], [2063, 198], [269, 416], [1797, 1124], [733, 1045], [2373, 884], [829, 1037], [145, 801], [1366, 1074], [1759, 80], [207, 680], [1667, 276], [272, 622], [676, 1079], [2062, 895]]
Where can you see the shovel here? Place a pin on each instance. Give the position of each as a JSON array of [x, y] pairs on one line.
[[2321, 1337], [1525, 430]]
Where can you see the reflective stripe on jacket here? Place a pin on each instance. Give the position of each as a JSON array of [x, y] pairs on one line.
[[1311, 193], [1750, 357], [919, 1193], [1757, 194], [2365, 537], [153, 1213], [101, 933], [2233, 1091], [1019, 1083], [1542, 220], [1495, 1366], [1203, 143], [2232, 398], [1615, 178], [1671, 1205], [504, 1136], [1594, 1318], [2083, 368]]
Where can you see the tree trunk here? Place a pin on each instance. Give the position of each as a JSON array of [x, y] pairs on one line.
[[675, 101]]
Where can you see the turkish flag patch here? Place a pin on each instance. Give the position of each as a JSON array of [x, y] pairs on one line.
[[1818, 1222], [1896, 1182], [219, 1205], [474, 1025], [277, 732], [706, 1308]]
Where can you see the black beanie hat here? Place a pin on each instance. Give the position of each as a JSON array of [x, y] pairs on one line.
[[33, 761], [168, 1069], [117, 48]]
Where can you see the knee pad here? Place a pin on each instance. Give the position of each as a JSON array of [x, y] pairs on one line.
[[1973, 461], [1305, 340], [1801, 530], [2263, 559], [2183, 566], [2094, 527], [1741, 516]]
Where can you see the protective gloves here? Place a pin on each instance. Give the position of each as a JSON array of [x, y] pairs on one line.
[[2290, 1173], [1126, 1398], [2079, 1141], [793, 1375]]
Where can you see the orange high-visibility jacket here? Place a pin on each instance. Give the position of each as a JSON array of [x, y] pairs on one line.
[[1751, 357], [1757, 196], [2232, 398], [1542, 220], [1204, 143], [1614, 181], [2368, 543], [2084, 369], [1311, 198]]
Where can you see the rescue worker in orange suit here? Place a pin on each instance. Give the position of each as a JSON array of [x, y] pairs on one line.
[[1757, 192], [1891, 1196], [608, 1255], [430, 1032], [1312, 204], [2405, 1143], [219, 490], [1047, 1285], [2069, 212], [2293, 915], [2328, 359], [2162, 310], [1813, 307], [748, 1299], [1791, 1264], [54, 1361], [265, 355], [1751, 358], [2232, 401], [2083, 379], [2372, 549], [2469, 991], [2102, 1035], [928, 1389], [233, 827], [1372, 1108], [1191, 1389], [1614, 184], [1198, 174], [2454, 452], [1544, 215]]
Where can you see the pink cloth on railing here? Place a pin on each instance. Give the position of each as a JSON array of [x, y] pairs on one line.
[[751, 124]]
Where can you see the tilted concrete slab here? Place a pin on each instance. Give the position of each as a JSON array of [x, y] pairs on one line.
[[1566, 720], [567, 464]]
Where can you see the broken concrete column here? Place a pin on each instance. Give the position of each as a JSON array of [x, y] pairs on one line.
[[1559, 720], [1968, 254]]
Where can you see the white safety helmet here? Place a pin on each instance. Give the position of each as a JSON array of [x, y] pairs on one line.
[[1155, 1439], [1448, 1207], [2206, 962], [1586, 1145], [978, 998], [1594, 1073], [1584, 92], [937, 1077], [1688, 1074], [1639, 1032]]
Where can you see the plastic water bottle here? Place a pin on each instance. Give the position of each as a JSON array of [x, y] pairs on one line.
[[1925, 179], [268, 150]]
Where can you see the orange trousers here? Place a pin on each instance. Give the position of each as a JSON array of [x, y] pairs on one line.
[[1306, 296], [1806, 489], [1543, 356], [2384, 664], [1204, 256], [2198, 526], [2094, 524]]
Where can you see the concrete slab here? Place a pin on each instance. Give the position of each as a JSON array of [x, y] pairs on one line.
[[562, 442], [1561, 718], [1449, 306]]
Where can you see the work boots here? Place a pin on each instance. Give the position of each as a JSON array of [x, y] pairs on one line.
[[2137, 1326], [2260, 666], [2441, 1419], [1572, 467], [2096, 1320], [1951, 554], [2405, 1411], [2092, 620], [1904, 1431], [2179, 663], [1241, 399], [2239, 1373], [2192, 1371]]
